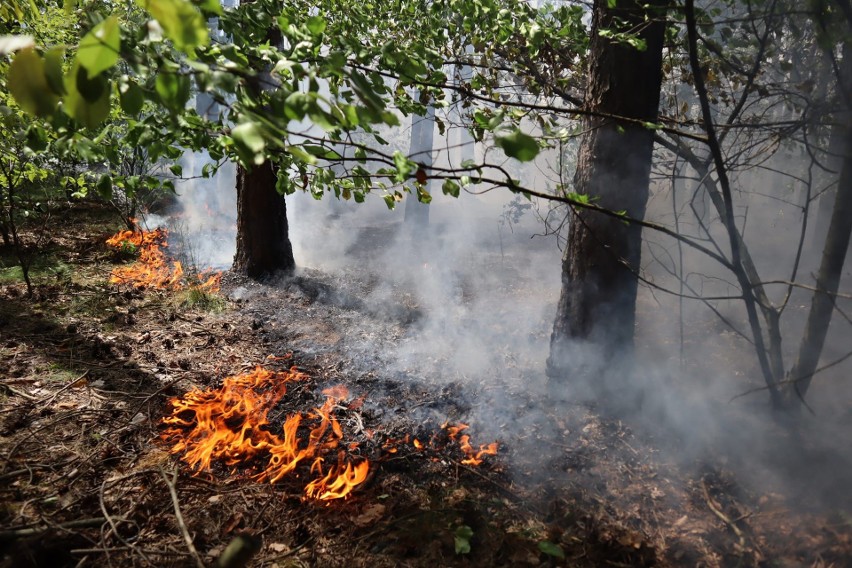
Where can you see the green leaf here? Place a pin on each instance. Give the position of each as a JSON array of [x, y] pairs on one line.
[[173, 89], [53, 70], [181, 22], [27, 83], [462, 538], [298, 153], [212, 6], [104, 187], [176, 169], [283, 185], [551, 549], [87, 101], [249, 142], [450, 188], [36, 138], [518, 145], [404, 167], [316, 25], [98, 50], [424, 196], [131, 96], [91, 88]]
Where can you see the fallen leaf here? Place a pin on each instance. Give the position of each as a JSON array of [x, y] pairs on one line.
[[370, 515]]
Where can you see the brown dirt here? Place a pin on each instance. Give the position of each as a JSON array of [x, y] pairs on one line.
[[87, 369]]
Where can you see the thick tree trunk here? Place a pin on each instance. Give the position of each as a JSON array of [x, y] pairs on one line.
[[263, 242], [596, 312], [833, 254], [420, 150]]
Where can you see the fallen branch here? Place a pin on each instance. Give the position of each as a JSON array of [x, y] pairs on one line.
[[725, 519], [33, 531], [181, 524]]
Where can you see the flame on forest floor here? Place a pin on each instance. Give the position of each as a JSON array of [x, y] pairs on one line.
[[153, 269], [472, 456], [230, 424]]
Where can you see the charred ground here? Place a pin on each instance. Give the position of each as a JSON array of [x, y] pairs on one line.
[[87, 369]]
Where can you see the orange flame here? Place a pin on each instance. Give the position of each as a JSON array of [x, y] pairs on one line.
[[230, 424], [152, 269], [473, 456]]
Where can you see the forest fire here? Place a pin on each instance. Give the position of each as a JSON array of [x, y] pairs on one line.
[[231, 425], [474, 456], [153, 269]]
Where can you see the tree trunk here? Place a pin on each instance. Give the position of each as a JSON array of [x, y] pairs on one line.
[[596, 312], [263, 242], [420, 150], [833, 254]]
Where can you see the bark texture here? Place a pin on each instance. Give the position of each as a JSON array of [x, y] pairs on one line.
[[420, 150], [596, 312], [833, 254], [263, 242]]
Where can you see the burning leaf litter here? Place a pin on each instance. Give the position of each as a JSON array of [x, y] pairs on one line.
[[154, 269], [230, 425]]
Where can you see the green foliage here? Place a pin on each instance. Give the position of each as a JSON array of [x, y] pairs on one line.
[[461, 538], [181, 22], [518, 145], [551, 549], [98, 50], [27, 82], [198, 299]]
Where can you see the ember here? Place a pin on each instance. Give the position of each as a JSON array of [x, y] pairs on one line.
[[230, 424], [153, 269]]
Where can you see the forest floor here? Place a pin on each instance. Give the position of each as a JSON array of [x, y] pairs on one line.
[[88, 370]]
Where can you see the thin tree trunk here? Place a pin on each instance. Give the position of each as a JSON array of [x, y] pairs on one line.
[[596, 311], [263, 242]]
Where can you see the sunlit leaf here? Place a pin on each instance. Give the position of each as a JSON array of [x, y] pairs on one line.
[[90, 106], [518, 145], [249, 142], [212, 6], [12, 43], [181, 22], [316, 25], [53, 70], [98, 50], [27, 83]]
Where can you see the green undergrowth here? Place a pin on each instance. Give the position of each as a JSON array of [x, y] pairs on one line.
[[198, 299], [45, 268]]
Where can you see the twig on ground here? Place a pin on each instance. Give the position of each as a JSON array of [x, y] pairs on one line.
[[19, 393], [64, 388], [114, 527], [725, 519], [181, 524]]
